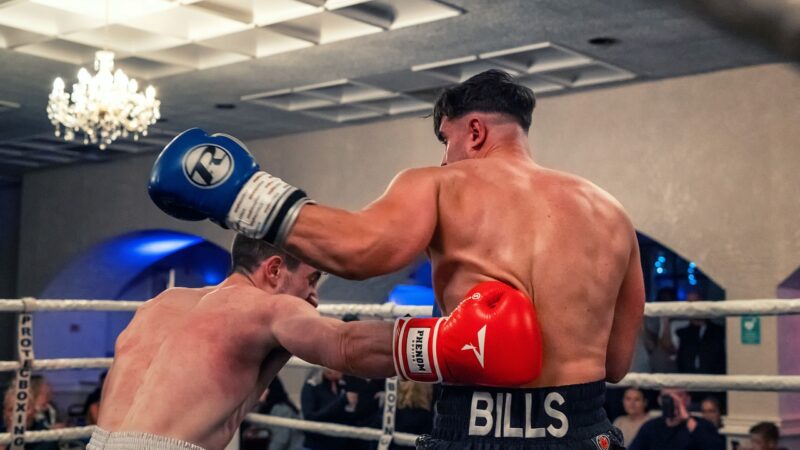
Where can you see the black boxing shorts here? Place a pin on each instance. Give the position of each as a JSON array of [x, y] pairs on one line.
[[552, 418]]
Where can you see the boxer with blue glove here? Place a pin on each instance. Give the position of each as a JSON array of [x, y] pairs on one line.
[[495, 225]]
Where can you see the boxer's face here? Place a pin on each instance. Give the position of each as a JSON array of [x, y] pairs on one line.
[[301, 282]]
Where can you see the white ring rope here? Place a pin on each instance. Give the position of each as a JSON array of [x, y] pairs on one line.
[[330, 429], [761, 307], [51, 435]]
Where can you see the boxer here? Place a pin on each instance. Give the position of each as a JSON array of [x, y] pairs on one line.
[[491, 220]]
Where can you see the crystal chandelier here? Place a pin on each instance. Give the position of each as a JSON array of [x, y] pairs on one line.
[[104, 106]]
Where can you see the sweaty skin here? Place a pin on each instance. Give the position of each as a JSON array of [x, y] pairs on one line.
[[193, 362], [491, 213]]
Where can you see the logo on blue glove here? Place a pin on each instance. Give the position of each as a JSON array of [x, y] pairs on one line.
[[207, 166]]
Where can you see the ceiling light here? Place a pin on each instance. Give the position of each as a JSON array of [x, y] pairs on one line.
[[103, 107]]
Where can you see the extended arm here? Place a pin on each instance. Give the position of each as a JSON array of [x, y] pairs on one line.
[[360, 348], [381, 238], [628, 313]]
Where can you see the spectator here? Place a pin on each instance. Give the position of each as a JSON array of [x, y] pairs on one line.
[[701, 348], [276, 402], [635, 405], [45, 412], [324, 400], [414, 413], [9, 402], [763, 436], [711, 410], [679, 432], [658, 338], [91, 406]]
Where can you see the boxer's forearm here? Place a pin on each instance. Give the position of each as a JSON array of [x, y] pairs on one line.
[[366, 349]]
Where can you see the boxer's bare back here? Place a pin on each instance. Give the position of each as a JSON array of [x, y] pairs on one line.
[[193, 362], [496, 215]]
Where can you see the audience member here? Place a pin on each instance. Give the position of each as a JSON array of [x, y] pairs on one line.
[[676, 429], [635, 405], [276, 402], [45, 412], [9, 403], [414, 412], [658, 339], [763, 436], [701, 348], [711, 410], [91, 406], [324, 399]]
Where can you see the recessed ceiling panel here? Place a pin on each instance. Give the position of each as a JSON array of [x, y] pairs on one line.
[[149, 69], [537, 58], [343, 113], [540, 86], [288, 100], [588, 75], [44, 19], [394, 14], [196, 56], [258, 42], [109, 11], [60, 50], [344, 91], [457, 73], [122, 38], [324, 28], [187, 22], [13, 37], [400, 104]]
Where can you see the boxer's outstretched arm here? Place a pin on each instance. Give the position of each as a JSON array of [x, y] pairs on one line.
[[628, 313], [362, 348], [381, 238]]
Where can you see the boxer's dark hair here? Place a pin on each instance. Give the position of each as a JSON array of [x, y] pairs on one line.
[[767, 430], [247, 254], [491, 91]]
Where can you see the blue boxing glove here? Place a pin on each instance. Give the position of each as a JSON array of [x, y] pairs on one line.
[[198, 176]]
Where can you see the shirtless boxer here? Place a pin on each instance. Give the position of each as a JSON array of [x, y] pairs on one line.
[[193, 362], [489, 214]]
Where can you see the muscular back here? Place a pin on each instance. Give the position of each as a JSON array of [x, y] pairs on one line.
[[190, 364], [558, 238]]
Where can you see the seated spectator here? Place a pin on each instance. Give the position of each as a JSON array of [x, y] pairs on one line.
[[276, 402], [711, 410], [91, 406], [323, 399], [635, 405], [763, 436], [9, 403], [676, 429], [45, 412], [414, 413]]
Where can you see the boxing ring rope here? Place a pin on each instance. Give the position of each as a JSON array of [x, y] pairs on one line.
[[704, 309], [698, 309]]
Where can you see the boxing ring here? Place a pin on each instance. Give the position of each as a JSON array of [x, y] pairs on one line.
[[699, 309]]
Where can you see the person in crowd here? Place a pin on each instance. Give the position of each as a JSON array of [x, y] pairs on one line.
[[658, 339], [635, 405], [45, 412], [323, 399], [676, 429], [91, 406], [712, 411], [414, 410], [763, 436], [276, 402], [701, 348], [31, 424]]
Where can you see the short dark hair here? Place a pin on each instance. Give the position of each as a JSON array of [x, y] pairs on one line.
[[492, 91], [247, 254], [767, 430]]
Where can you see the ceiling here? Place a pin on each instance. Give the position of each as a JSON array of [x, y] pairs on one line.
[[258, 59]]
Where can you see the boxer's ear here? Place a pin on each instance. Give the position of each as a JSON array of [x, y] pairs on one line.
[[477, 133], [271, 269]]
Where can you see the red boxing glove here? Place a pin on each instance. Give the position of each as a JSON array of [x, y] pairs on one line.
[[491, 339]]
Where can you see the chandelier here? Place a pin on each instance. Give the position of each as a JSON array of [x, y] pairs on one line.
[[103, 107]]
